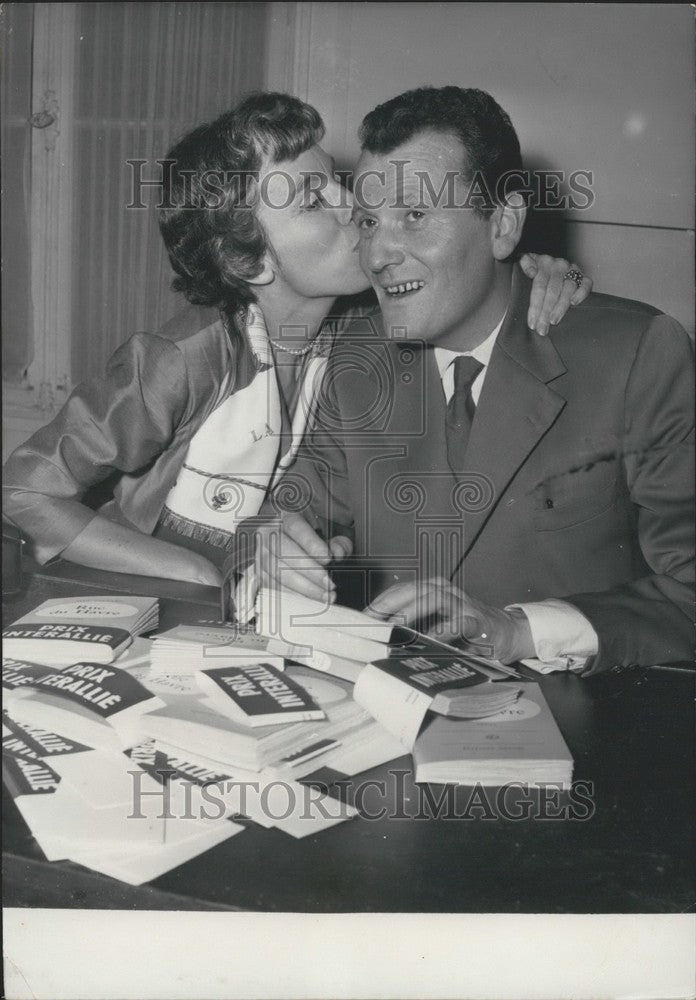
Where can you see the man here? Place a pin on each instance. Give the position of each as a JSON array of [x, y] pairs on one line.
[[535, 497]]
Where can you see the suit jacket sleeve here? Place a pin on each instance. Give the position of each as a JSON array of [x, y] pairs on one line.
[[650, 619], [118, 422]]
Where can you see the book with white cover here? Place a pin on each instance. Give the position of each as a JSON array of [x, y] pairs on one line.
[[454, 684], [185, 649], [132, 845], [67, 822], [191, 724], [521, 743], [102, 779], [77, 630], [46, 711], [18, 677], [289, 617], [33, 786], [227, 635], [319, 659], [93, 704], [198, 787], [256, 694], [334, 638]]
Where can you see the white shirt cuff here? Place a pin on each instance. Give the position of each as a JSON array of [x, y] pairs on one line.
[[562, 635]]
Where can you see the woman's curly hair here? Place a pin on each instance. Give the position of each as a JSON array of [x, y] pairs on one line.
[[207, 215]]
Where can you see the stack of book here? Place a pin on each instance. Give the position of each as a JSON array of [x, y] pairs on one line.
[[98, 809], [124, 802], [195, 724], [88, 702], [98, 785], [401, 674], [137, 762], [330, 633], [185, 649], [77, 630]]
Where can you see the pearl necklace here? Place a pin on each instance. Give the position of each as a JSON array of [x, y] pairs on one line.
[[241, 316], [289, 350]]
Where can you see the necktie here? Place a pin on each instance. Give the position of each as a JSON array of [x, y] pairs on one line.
[[460, 411]]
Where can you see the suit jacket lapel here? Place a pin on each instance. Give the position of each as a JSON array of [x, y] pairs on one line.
[[515, 410]]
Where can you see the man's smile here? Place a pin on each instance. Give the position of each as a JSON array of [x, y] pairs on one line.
[[404, 288]]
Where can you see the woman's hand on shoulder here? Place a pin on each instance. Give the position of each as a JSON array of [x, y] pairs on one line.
[[557, 285]]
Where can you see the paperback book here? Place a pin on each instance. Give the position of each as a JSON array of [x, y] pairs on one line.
[[258, 695], [353, 635], [185, 649], [79, 805], [199, 787], [334, 638], [74, 630], [192, 724], [93, 704], [101, 779], [109, 840], [406, 674], [522, 743], [325, 663]]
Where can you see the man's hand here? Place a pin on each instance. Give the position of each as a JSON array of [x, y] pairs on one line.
[[552, 293], [290, 555], [506, 634]]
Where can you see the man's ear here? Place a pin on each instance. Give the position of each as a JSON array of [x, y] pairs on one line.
[[267, 274], [507, 223]]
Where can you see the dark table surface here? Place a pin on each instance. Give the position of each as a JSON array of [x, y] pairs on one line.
[[631, 736]]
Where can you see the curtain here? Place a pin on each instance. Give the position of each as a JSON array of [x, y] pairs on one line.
[[145, 73], [16, 150]]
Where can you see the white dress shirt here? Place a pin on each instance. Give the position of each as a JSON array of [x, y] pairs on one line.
[[563, 637]]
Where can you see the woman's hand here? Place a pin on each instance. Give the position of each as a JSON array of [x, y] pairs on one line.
[[552, 292]]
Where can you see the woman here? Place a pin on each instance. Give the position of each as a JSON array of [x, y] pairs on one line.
[[190, 426]]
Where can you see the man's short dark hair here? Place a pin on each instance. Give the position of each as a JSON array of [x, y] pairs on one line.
[[214, 240], [481, 125]]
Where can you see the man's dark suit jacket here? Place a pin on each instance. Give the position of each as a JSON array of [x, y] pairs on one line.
[[580, 471]]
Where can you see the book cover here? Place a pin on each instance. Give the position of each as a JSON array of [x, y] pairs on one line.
[[434, 671], [308, 640], [110, 840], [400, 691], [284, 615], [33, 786], [68, 630], [325, 663], [18, 676], [107, 691], [184, 839], [193, 725], [101, 778], [291, 807], [91, 703], [229, 637], [335, 638], [187, 648], [258, 695], [520, 743]]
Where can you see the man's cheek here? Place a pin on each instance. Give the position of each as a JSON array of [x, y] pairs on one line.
[[362, 254]]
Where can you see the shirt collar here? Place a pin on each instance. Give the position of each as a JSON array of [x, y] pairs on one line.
[[482, 353]]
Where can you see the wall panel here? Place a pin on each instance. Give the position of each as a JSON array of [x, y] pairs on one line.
[[600, 87]]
